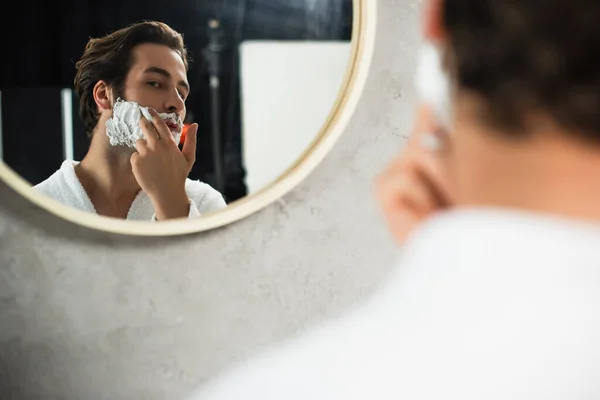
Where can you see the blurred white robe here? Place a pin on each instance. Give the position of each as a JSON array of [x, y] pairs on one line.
[[64, 187], [484, 305]]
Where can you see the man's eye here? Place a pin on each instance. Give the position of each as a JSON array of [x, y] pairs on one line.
[[154, 84]]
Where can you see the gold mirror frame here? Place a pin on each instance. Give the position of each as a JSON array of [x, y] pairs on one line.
[[363, 37]]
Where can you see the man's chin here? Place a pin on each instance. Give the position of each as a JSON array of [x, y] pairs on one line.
[[122, 149]]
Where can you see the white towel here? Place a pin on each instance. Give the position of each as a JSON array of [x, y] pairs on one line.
[[64, 186]]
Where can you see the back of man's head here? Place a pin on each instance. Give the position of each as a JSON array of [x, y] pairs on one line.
[[523, 57]]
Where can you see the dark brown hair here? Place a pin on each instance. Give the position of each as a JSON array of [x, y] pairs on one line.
[[109, 59], [529, 56]]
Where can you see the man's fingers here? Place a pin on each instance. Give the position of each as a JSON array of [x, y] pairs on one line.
[[141, 146], [133, 160], [416, 196], [417, 184], [424, 123], [402, 223], [434, 175], [189, 146], [160, 126], [404, 189], [149, 131]]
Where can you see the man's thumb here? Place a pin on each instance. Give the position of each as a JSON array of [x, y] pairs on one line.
[[189, 146]]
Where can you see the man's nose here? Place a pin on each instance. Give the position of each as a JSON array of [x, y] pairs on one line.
[[175, 103]]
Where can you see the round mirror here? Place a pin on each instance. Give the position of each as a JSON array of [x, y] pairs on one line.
[[176, 117]]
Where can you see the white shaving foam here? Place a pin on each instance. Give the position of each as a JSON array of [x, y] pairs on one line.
[[433, 85], [123, 128]]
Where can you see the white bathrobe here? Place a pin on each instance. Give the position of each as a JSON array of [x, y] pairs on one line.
[[484, 305], [64, 186]]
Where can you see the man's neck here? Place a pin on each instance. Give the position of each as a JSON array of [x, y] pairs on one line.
[[105, 172], [550, 174]]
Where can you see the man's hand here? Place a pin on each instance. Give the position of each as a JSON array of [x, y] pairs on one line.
[[161, 169], [416, 184]]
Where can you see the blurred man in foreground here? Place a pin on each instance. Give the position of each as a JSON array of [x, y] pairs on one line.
[[497, 293]]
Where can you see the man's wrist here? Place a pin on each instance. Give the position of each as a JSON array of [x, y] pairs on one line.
[[174, 205]]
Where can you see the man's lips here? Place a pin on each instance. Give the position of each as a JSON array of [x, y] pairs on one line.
[[174, 128]]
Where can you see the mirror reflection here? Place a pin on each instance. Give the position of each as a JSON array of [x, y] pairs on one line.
[[170, 109]]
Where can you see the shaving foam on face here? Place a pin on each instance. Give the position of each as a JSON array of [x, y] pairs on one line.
[[433, 85], [123, 128]]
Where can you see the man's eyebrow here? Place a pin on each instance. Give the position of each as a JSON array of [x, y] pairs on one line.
[[166, 74]]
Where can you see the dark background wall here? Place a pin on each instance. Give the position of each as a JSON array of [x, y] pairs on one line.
[[44, 39]]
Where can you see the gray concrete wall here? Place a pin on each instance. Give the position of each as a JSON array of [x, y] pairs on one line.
[[91, 315]]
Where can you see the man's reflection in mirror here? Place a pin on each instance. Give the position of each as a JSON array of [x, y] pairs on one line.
[[132, 87]]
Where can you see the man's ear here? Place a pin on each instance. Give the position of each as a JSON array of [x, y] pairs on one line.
[[433, 21], [102, 96]]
